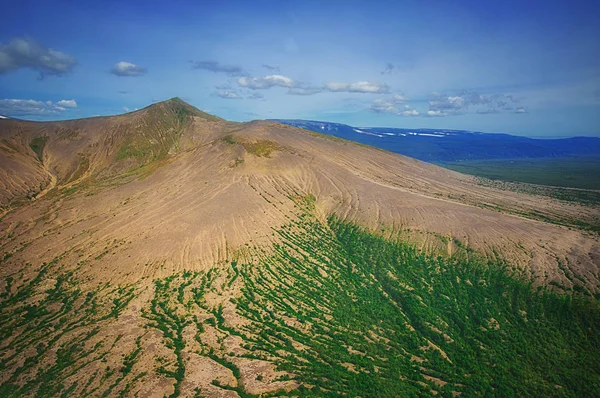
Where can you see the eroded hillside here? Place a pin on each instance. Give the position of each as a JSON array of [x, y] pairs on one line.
[[169, 252]]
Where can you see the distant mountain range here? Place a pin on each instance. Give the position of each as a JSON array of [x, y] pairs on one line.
[[439, 146]]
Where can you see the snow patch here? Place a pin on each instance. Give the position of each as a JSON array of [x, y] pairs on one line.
[[431, 135], [367, 133]]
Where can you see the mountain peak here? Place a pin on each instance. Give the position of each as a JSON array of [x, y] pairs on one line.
[[181, 107]]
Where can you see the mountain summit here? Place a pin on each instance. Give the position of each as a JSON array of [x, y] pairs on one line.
[[170, 252], [180, 107]]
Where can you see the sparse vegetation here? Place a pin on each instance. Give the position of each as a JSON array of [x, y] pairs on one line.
[[58, 319], [37, 145], [260, 148]]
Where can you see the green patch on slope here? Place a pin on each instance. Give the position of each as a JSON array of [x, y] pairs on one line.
[[158, 131], [260, 148], [382, 319], [345, 312], [37, 145]]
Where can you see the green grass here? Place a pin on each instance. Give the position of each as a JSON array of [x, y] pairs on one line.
[[375, 316], [581, 173], [340, 310], [378, 302]]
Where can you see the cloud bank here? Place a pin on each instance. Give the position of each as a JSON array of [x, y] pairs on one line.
[[28, 53], [472, 102], [394, 105], [298, 88], [263, 83], [21, 107], [358, 87]]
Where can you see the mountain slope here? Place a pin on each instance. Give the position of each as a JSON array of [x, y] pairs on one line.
[[194, 255], [72, 151]]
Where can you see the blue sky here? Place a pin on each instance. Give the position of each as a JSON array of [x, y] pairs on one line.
[[521, 67]]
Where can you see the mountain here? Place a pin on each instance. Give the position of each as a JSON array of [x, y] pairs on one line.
[[170, 252], [441, 146]]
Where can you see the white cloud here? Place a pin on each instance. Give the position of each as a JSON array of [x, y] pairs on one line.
[[436, 113], [453, 103], [67, 103], [358, 87], [28, 53], [20, 107], [262, 83], [411, 112], [299, 88], [399, 98], [128, 69], [394, 106], [307, 90], [520, 109], [468, 101]]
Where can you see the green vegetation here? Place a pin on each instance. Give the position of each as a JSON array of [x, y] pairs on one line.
[[338, 310], [183, 110], [165, 318], [42, 318], [577, 172], [229, 139], [82, 168], [344, 311], [378, 315], [575, 180], [37, 145], [260, 148], [157, 133]]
